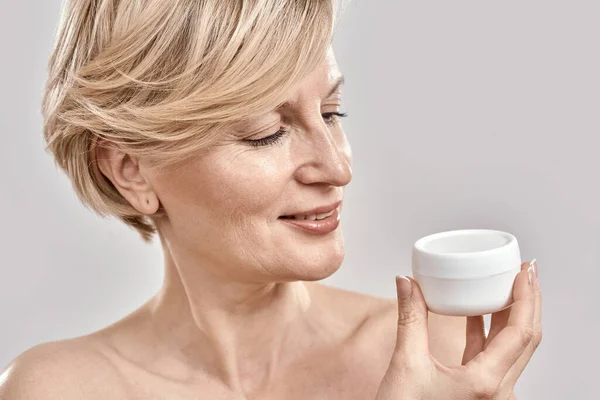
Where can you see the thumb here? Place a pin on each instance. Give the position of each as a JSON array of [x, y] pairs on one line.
[[412, 342]]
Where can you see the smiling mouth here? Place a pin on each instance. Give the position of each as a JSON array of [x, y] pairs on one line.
[[313, 217], [316, 214]]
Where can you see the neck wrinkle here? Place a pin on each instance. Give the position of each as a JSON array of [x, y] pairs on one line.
[[241, 334]]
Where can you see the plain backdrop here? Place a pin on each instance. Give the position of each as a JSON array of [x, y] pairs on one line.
[[462, 114]]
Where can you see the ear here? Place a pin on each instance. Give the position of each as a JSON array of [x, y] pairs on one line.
[[124, 172]]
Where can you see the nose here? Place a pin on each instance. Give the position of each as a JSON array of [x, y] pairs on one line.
[[326, 156]]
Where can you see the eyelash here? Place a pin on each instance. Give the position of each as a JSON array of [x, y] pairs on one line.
[[276, 137]]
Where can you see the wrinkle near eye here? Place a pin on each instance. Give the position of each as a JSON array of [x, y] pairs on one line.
[[250, 129]]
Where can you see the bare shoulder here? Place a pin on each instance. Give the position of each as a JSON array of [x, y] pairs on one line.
[[377, 317], [354, 306], [447, 338], [65, 369]]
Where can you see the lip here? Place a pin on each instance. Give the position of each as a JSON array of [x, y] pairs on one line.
[[318, 210], [316, 227]]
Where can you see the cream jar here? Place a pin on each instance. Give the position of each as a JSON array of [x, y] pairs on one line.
[[466, 272]]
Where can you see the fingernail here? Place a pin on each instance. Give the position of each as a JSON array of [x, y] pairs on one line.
[[404, 287], [532, 272]]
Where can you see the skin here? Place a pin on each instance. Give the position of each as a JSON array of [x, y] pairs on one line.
[[490, 366], [240, 314]]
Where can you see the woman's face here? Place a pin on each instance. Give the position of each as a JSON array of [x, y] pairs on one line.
[[223, 206]]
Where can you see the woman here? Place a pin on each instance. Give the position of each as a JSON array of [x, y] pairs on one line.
[[215, 125]]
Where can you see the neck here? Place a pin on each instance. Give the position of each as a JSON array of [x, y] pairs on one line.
[[238, 332]]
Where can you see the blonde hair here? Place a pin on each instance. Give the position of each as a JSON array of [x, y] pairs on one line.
[[166, 79]]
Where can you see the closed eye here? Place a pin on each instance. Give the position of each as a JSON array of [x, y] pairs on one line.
[[330, 119]]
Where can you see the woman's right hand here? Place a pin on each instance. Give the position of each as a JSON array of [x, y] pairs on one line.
[[490, 366]]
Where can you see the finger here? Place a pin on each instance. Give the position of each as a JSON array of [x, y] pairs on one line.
[[475, 338], [412, 343], [500, 319], [508, 344], [498, 322], [515, 372]]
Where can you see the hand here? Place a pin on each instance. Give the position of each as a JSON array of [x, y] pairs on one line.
[[490, 366]]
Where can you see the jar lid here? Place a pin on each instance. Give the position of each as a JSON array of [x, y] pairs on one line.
[[465, 254]]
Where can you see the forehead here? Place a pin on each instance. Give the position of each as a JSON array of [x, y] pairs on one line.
[[326, 74], [320, 83], [331, 65]]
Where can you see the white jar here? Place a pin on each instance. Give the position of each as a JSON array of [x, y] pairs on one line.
[[466, 272]]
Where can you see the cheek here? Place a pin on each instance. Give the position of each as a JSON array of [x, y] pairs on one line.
[[251, 187], [234, 185]]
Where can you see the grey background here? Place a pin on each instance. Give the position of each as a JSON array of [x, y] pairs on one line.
[[462, 114]]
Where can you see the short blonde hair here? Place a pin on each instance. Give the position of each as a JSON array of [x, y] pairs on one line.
[[167, 78]]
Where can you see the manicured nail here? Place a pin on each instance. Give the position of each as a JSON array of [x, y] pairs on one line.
[[404, 287], [532, 272]]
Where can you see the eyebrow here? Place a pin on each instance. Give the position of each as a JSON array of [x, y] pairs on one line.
[[339, 82]]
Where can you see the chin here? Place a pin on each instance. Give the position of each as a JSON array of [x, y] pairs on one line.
[[320, 274], [317, 267], [308, 258]]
